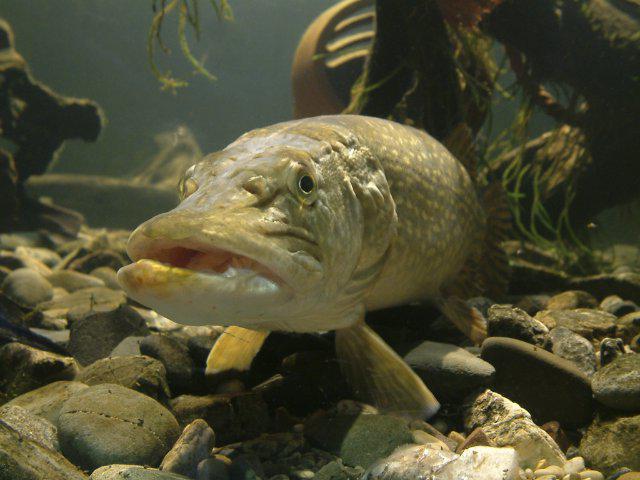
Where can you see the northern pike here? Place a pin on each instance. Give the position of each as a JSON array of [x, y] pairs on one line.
[[304, 226]]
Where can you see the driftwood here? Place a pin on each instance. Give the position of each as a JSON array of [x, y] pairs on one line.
[[36, 121], [592, 47], [589, 47]]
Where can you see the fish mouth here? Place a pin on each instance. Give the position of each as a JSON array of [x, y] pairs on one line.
[[189, 255]]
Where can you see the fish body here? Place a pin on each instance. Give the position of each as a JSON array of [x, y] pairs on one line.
[[304, 225], [394, 219]]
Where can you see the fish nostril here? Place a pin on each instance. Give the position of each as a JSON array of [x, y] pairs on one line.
[[256, 186]]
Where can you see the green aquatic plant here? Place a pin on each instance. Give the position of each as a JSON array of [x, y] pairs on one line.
[[188, 14], [522, 179]]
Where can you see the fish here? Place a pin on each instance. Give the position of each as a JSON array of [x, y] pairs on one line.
[[304, 226]]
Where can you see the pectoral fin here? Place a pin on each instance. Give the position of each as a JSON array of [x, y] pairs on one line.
[[379, 376], [235, 350]]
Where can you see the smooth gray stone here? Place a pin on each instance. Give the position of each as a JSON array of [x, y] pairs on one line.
[[109, 424], [138, 372], [133, 472], [449, 371], [27, 287], [128, 346], [358, 440], [548, 386], [46, 401], [96, 334], [72, 281]]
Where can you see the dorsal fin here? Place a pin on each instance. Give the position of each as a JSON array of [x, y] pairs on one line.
[[460, 143]]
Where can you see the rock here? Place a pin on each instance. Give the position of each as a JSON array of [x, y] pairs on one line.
[[549, 387], [336, 470], [59, 337], [482, 304], [193, 446], [575, 348], [31, 426], [23, 459], [137, 372], [583, 321], [27, 287], [572, 299], [11, 261], [199, 348], [532, 304], [555, 431], [24, 368], [481, 463], [108, 424], [628, 326], [212, 469], [477, 438], [508, 321], [93, 260], [133, 472], [176, 359], [246, 467], [128, 346], [13, 240], [44, 255], [617, 385], [451, 372], [72, 281], [46, 401], [630, 476], [95, 334], [507, 424], [617, 306], [409, 462], [417, 461], [610, 444], [233, 417], [86, 300], [108, 275], [610, 349], [358, 440]]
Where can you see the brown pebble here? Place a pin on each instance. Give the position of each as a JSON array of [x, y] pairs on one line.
[[476, 438], [557, 434]]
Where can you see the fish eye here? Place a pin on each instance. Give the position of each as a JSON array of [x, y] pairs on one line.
[[306, 184], [187, 187], [303, 184]]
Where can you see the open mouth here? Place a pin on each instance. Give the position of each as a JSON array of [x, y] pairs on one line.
[[213, 261]]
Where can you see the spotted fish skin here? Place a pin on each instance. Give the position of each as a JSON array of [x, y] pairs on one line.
[[394, 218], [439, 220]]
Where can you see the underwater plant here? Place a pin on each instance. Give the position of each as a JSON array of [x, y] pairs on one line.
[[188, 12]]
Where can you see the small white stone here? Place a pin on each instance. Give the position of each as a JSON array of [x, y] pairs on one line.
[[591, 475], [575, 465], [481, 463], [552, 470]]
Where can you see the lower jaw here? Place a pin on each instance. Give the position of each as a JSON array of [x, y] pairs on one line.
[[198, 298]]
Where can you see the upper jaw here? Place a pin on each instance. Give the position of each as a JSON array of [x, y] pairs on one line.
[[216, 250]]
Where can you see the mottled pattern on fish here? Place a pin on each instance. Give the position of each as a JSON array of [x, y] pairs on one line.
[[392, 218], [440, 221]]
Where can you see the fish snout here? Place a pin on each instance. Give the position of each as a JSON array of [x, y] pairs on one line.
[[170, 227]]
